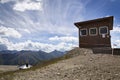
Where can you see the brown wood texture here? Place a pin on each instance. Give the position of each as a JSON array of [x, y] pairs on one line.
[[95, 41]]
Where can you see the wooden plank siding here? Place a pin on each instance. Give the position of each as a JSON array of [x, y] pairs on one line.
[[97, 40]]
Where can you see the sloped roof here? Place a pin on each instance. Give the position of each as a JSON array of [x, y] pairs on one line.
[[110, 19]]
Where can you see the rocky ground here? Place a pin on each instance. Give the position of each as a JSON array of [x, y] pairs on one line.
[[83, 65]]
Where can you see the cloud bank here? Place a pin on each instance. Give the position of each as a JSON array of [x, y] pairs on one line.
[[30, 45]]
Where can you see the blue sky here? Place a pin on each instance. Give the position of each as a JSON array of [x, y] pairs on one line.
[[49, 24]]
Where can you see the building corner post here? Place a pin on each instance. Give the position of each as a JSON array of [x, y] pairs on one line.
[[79, 36]]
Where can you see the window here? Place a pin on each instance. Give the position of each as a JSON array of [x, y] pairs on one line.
[[103, 30], [93, 31], [83, 32]]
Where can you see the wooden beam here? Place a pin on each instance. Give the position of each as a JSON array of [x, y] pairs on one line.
[[79, 36]]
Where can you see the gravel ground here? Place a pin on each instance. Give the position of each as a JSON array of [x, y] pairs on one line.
[[83, 65]]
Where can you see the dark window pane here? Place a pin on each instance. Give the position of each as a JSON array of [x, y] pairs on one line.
[[92, 31], [103, 30], [83, 32]]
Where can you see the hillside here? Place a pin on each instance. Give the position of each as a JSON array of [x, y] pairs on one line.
[[21, 57], [78, 64]]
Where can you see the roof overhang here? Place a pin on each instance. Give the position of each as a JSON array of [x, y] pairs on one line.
[[109, 19]]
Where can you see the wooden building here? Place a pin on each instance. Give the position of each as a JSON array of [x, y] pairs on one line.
[[95, 33]]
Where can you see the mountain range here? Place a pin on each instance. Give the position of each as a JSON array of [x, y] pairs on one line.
[[8, 57]]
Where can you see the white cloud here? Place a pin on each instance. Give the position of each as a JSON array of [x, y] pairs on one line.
[[64, 39], [64, 46], [28, 5], [117, 43], [6, 42], [53, 21], [55, 18], [30, 45], [116, 29], [9, 32]]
